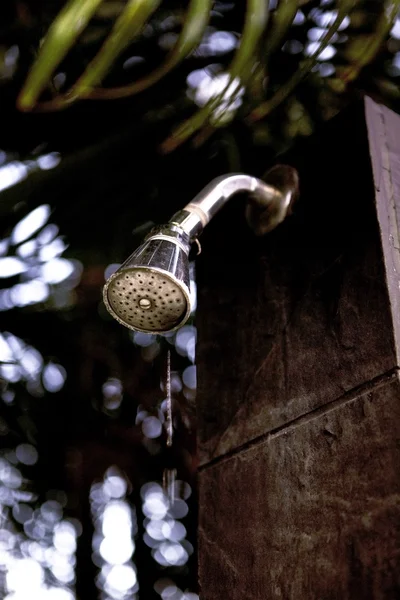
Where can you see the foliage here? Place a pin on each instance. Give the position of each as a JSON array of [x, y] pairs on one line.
[[245, 61]]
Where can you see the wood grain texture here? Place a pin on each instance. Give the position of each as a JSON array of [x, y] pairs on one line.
[[293, 321], [383, 127], [312, 512]]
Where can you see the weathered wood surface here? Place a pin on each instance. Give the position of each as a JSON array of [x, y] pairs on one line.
[[299, 399], [312, 513], [293, 321], [383, 128]]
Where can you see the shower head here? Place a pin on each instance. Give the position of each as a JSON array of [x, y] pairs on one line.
[[150, 290]]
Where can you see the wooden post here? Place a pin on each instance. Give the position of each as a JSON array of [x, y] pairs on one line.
[[298, 402]]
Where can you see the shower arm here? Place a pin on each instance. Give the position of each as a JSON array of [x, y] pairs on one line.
[[150, 291], [269, 203]]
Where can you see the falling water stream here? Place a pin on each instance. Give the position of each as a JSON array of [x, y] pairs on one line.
[[169, 474], [169, 400]]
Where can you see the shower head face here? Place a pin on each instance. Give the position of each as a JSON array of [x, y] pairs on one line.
[[147, 299]]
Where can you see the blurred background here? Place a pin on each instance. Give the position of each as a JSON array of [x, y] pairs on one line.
[[114, 115]]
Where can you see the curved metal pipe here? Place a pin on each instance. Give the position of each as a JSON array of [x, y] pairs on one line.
[[150, 291], [269, 200]]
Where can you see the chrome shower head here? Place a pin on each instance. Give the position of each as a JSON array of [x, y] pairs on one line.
[[150, 290]]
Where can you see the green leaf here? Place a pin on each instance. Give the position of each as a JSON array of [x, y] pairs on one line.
[[240, 71], [282, 19], [363, 50], [285, 90], [128, 25], [195, 22], [61, 36]]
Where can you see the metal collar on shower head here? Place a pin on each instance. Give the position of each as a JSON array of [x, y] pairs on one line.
[[150, 290]]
